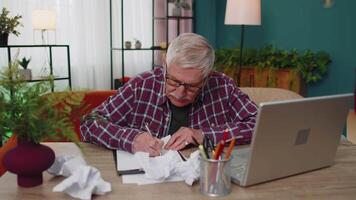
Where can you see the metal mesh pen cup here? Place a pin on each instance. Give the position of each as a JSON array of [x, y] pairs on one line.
[[215, 177]]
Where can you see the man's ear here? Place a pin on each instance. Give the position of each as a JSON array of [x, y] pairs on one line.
[[164, 64]]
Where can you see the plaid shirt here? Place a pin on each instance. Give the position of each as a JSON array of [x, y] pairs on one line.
[[219, 106]]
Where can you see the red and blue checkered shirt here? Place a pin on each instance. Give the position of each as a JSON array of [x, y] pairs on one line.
[[219, 106]]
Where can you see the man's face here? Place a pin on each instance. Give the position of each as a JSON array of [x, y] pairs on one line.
[[183, 84]]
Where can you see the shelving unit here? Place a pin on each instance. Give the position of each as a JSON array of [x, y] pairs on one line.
[[166, 18], [50, 48]]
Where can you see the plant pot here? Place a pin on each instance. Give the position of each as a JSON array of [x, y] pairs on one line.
[[28, 160], [3, 39], [26, 74]]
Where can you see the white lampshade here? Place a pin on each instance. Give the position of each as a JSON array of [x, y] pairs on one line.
[[243, 12], [44, 19]]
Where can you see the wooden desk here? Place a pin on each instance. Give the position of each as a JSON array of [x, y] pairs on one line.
[[336, 182], [351, 126]]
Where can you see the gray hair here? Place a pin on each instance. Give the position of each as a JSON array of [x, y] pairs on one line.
[[190, 50]]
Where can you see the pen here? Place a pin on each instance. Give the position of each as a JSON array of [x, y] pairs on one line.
[[148, 130], [181, 155], [205, 148], [195, 141], [210, 145]]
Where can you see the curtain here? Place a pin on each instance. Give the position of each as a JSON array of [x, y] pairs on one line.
[[84, 26], [137, 25]]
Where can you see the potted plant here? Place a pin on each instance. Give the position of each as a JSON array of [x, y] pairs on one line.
[[25, 72], [33, 114], [273, 67], [8, 26], [178, 6]]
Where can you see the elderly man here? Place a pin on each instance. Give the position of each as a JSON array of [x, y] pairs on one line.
[[185, 99]]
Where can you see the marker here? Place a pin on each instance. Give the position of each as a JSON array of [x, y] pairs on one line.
[[202, 151], [225, 135]]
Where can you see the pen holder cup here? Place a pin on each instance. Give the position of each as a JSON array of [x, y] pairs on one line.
[[215, 177]]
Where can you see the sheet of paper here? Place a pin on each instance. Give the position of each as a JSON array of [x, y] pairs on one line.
[[126, 161], [140, 179]]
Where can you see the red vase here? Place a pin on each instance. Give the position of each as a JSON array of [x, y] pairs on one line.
[[28, 160]]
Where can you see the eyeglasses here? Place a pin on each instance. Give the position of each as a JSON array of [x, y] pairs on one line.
[[189, 87]]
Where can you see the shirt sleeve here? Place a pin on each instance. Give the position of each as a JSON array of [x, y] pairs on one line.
[[242, 111], [106, 125]]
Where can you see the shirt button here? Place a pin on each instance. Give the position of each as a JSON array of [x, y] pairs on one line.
[[167, 118], [212, 125]]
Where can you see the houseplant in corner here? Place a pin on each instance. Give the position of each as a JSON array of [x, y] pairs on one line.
[[8, 26], [33, 114], [25, 72]]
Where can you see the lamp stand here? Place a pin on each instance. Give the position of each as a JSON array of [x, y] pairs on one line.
[[44, 70], [241, 57]]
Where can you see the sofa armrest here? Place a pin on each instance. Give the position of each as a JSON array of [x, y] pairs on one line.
[[259, 95]]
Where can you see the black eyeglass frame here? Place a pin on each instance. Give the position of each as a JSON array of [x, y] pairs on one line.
[[189, 87]]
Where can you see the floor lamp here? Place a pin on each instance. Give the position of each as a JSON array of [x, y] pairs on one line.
[[242, 12], [44, 21]]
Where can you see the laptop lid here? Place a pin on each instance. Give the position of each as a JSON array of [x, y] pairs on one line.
[[295, 136]]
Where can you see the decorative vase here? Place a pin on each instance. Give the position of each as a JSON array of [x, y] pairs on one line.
[[26, 74], [28, 160], [3, 39], [128, 45], [138, 44]]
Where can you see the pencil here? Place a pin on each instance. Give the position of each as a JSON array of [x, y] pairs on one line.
[[218, 150], [231, 147]]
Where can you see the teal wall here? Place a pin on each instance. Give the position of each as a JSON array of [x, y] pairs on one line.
[[301, 24], [205, 19]]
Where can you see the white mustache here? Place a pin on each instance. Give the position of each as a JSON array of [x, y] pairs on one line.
[[180, 97]]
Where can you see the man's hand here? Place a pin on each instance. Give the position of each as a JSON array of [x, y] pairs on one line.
[[183, 137], [146, 143]]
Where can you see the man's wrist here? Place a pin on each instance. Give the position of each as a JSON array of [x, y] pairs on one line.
[[134, 142]]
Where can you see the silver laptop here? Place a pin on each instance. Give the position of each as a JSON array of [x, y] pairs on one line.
[[292, 137]]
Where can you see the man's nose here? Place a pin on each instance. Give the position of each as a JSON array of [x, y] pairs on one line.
[[180, 91]]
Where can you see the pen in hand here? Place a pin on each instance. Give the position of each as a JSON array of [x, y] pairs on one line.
[[148, 130]]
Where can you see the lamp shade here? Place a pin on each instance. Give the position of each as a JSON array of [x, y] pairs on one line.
[[44, 19], [243, 12]]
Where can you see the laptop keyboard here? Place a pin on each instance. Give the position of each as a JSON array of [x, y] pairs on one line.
[[239, 163]]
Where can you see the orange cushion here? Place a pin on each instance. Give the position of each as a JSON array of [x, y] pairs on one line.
[[92, 99], [11, 143]]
